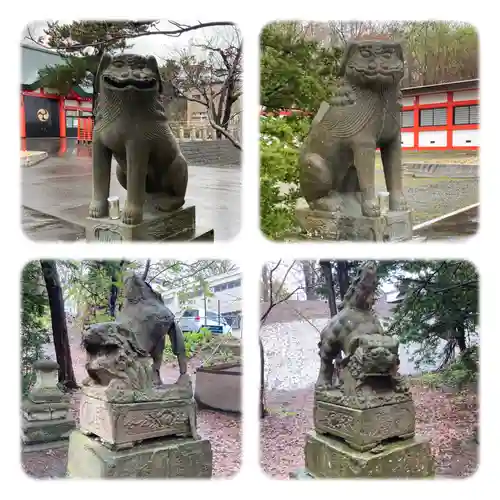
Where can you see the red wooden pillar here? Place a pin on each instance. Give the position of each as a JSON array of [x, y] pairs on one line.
[[23, 119], [449, 121], [62, 118], [416, 123]]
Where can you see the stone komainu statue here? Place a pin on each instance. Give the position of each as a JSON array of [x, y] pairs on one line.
[[131, 126], [338, 155], [115, 360], [145, 314], [356, 333]]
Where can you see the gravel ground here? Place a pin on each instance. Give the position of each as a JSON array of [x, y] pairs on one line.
[[291, 368], [432, 197], [223, 430]]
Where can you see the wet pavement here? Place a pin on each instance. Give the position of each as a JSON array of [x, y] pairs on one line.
[[456, 225], [63, 182]]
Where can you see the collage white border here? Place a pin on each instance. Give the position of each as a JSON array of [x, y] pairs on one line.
[[250, 247]]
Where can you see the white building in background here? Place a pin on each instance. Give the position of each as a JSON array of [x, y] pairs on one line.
[[226, 297]]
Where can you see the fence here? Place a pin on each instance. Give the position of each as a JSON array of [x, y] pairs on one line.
[[85, 129], [183, 131]]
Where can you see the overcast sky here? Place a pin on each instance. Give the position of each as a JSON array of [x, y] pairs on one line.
[[160, 46], [295, 279]]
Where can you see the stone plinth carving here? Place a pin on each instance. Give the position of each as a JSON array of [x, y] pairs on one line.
[[338, 158], [45, 419], [364, 415]]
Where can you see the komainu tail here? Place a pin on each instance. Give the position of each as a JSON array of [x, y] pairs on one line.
[[176, 339]]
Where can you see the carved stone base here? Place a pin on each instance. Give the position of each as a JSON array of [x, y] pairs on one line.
[[178, 225], [155, 226], [50, 445], [44, 411], [45, 431], [88, 458], [365, 429], [338, 226], [327, 457], [121, 425]]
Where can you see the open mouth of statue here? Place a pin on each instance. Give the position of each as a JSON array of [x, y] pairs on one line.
[[130, 83], [377, 73]]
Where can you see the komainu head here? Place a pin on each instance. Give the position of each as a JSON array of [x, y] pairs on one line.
[[361, 293], [373, 63], [114, 355], [137, 290], [128, 73]]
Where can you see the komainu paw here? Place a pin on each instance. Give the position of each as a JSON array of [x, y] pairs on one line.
[[397, 202], [98, 209], [370, 208], [131, 215]]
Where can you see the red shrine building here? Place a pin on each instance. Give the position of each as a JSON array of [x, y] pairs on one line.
[[44, 112], [444, 116], [438, 117]]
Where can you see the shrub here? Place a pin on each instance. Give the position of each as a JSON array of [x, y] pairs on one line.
[[458, 374], [34, 322], [220, 350], [193, 341], [280, 141]]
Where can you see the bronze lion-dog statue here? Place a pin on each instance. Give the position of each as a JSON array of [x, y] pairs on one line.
[[130, 125], [337, 160]]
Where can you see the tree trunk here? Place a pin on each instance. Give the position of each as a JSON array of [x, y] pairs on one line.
[[266, 292], [263, 412], [113, 295], [460, 337], [59, 326], [326, 268], [343, 277], [310, 285]]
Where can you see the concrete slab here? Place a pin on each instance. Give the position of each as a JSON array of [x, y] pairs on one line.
[[453, 170], [30, 158], [459, 224], [62, 183]]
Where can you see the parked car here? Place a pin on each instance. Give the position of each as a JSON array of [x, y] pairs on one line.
[[193, 319]]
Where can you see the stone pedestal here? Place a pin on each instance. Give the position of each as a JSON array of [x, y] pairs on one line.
[[178, 225], [45, 420], [88, 458], [364, 429], [128, 433], [365, 433], [352, 226], [329, 457], [121, 425]]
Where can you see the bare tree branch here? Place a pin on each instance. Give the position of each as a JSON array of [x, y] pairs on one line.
[[181, 29], [146, 270]]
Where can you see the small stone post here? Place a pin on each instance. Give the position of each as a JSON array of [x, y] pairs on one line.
[[45, 419]]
